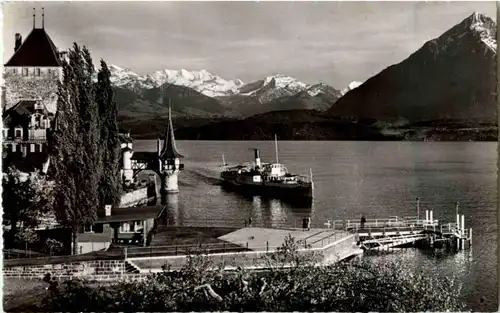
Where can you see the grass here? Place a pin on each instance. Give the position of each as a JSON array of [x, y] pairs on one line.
[[23, 295]]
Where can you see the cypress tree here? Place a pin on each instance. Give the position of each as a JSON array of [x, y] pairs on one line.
[[110, 183], [75, 144]]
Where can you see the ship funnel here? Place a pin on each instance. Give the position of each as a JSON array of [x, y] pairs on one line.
[[257, 158]]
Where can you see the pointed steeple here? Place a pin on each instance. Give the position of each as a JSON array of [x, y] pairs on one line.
[[169, 150]]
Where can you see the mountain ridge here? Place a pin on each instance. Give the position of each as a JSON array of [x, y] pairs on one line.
[[450, 77]]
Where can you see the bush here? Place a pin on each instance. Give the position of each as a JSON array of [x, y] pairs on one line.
[[357, 285]]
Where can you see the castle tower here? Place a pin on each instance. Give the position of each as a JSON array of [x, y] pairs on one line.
[[29, 98], [127, 171], [169, 160]]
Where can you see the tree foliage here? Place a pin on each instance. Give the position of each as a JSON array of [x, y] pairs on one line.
[[75, 144], [24, 200], [357, 285], [85, 144], [110, 183]]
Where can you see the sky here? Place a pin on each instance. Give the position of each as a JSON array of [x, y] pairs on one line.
[[330, 42]]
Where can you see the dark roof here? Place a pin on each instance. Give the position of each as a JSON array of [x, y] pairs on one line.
[[169, 150], [137, 213], [36, 50], [19, 113], [124, 138], [144, 156]]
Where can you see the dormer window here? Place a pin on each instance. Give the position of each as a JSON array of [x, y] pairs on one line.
[[37, 71], [25, 71], [18, 133]]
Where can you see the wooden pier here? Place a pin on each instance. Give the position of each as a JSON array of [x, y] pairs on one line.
[[386, 233]]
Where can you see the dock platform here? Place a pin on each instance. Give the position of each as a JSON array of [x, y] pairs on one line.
[[329, 244]]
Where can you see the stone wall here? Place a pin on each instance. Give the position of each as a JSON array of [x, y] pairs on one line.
[[133, 198], [100, 269], [42, 87]]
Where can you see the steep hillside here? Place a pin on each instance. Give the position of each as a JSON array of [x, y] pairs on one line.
[[288, 125], [451, 77]]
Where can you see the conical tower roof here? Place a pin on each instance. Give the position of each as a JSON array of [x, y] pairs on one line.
[[169, 150], [36, 50]]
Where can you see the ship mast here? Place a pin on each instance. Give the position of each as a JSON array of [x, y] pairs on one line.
[[276, 145]]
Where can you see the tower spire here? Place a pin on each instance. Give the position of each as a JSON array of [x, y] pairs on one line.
[[43, 18], [169, 148], [34, 18]]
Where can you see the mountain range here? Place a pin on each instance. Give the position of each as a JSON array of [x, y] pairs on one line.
[[446, 89], [201, 93]]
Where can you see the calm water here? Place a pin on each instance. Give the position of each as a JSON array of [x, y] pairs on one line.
[[377, 179]]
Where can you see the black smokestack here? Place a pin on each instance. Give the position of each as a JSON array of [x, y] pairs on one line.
[[19, 41]]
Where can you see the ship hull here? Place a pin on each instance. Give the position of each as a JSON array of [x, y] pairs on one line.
[[302, 194]]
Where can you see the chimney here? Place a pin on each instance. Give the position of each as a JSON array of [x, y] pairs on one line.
[[19, 41], [257, 158], [107, 210]]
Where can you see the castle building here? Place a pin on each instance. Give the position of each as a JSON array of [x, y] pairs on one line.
[[29, 98]]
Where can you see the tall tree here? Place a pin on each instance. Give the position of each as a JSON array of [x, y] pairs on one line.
[[25, 200], [75, 144], [110, 183]]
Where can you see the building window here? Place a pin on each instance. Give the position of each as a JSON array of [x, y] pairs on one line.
[[5, 132], [128, 227], [49, 72], [14, 70], [88, 228], [37, 71], [18, 133], [25, 71]]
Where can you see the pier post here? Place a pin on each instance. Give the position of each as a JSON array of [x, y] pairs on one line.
[[458, 223], [426, 216], [431, 216], [463, 225], [418, 208], [470, 237]]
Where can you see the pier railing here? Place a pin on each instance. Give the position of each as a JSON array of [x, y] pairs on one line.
[[312, 241]]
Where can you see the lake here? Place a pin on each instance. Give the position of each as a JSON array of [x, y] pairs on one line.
[[375, 179]]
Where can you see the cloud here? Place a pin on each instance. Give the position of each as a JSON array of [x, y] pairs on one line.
[[332, 42]]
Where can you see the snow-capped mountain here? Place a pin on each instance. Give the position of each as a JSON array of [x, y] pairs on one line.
[[202, 81], [272, 87], [267, 89], [485, 28], [352, 85], [451, 77]]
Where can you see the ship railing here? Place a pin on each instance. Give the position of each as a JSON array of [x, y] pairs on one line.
[[304, 179]]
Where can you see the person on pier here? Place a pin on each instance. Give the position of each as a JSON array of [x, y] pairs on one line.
[[363, 221]]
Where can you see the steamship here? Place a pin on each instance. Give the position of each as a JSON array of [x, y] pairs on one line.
[[268, 179]]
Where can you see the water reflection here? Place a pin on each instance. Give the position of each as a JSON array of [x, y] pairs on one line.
[[268, 212], [173, 216]]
